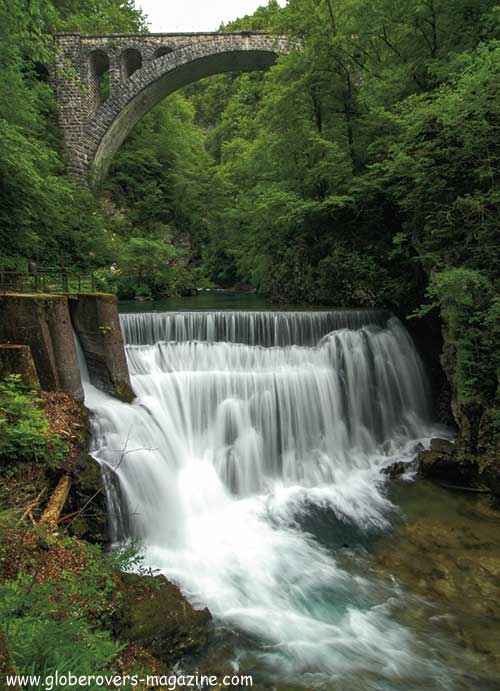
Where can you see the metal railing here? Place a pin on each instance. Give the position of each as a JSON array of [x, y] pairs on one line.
[[47, 280]]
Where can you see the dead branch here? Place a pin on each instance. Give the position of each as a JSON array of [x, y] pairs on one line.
[[32, 505], [123, 452]]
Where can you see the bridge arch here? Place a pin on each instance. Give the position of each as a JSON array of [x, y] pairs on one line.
[[131, 61], [163, 50], [97, 73], [143, 70]]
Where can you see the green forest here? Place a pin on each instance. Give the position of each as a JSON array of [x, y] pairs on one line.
[[361, 170]]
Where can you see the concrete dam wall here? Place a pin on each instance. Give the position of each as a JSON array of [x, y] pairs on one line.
[[47, 324]]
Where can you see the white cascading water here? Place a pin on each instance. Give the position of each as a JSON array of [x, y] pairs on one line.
[[245, 424]]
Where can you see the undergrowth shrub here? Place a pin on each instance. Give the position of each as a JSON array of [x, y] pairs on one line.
[[62, 621], [43, 638], [471, 311], [24, 428]]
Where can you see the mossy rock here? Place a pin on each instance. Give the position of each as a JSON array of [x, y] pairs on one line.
[[123, 391], [489, 447], [444, 462], [87, 489], [154, 614]]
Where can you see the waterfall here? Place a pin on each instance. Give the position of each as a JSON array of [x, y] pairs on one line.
[[254, 328], [245, 425]]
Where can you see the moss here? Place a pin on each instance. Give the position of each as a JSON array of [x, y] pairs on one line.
[[476, 458], [123, 392], [106, 297], [34, 296], [87, 493], [489, 448], [155, 615]]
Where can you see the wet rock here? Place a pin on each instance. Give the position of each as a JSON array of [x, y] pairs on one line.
[[154, 614], [442, 446], [395, 470], [478, 424], [443, 462], [87, 502], [490, 475], [489, 447]]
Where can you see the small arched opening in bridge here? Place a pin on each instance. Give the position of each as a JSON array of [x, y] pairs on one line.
[[41, 72], [160, 52], [128, 103], [131, 61], [98, 77]]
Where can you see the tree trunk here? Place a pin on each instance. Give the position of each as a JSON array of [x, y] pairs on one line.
[[52, 513]]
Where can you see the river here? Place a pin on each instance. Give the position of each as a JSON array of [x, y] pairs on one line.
[[253, 479]]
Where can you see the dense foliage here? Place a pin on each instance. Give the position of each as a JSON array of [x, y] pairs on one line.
[[44, 216], [35, 615], [156, 202], [58, 607], [363, 169], [24, 428]]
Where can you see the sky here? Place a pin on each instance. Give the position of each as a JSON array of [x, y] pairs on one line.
[[169, 16]]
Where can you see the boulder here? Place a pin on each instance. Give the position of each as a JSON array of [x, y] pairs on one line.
[[442, 462], [156, 616], [395, 469], [442, 446]]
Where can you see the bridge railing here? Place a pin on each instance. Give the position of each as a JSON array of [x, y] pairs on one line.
[[47, 280]]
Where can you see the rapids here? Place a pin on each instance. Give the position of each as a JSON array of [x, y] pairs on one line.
[[249, 428]]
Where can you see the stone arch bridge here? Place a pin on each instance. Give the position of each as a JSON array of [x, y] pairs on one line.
[[105, 84]]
